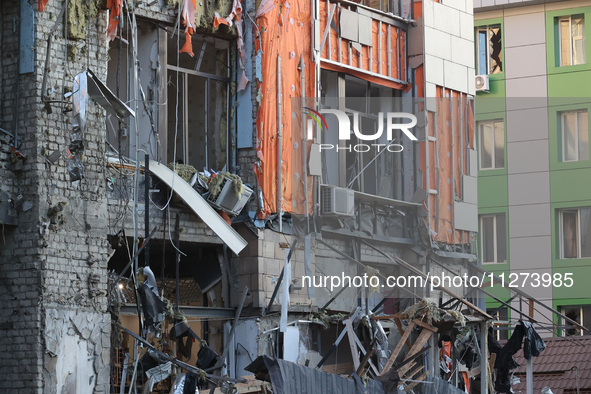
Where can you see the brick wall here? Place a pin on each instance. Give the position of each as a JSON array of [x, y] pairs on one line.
[[20, 279], [53, 264]]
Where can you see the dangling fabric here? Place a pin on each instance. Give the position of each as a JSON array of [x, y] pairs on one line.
[[42, 4], [235, 17], [188, 19], [115, 8]]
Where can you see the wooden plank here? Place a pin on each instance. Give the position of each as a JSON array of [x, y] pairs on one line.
[[387, 317], [401, 331], [352, 344], [362, 370], [337, 369], [416, 347], [425, 325], [413, 373], [398, 348]]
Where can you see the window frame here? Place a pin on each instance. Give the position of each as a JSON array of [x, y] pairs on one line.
[[492, 122], [578, 236], [495, 238], [209, 79], [581, 307], [562, 115], [559, 19]]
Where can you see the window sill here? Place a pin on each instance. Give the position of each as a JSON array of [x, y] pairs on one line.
[[570, 165], [574, 260], [568, 69], [492, 172]]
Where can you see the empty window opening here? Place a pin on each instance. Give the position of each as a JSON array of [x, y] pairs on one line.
[[198, 101]]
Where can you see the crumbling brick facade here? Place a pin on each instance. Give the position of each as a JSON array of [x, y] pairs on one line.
[[53, 261]]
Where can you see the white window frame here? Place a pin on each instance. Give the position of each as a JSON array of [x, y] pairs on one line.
[[578, 232], [480, 141], [571, 40], [577, 136], [486, 29], [581, 319], [495, 240]]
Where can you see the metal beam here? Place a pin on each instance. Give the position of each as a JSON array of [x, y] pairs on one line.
[[398, 260]]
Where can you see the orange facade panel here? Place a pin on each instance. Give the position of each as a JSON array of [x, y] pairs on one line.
[[383, 62], [451, 128], [285, 32]]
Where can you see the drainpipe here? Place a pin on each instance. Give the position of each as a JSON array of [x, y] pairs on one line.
[[304, 145]]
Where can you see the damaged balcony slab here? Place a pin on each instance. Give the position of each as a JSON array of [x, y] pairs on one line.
[[199, 205], [189, 311]]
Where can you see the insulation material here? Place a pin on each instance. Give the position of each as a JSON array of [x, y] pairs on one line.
[[453, 117], [362, 62], [115, 8], [235, 17], [277, 40], [264, 7], [42, 4], [188, 14]]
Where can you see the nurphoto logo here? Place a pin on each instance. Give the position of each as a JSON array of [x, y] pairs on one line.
[[393, 121]]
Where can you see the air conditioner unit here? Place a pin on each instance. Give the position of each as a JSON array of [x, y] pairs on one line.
[[481, 83], [228, 200], [337, 201]]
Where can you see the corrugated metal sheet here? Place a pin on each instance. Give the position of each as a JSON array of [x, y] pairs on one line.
[[291, 378], [439, 386]]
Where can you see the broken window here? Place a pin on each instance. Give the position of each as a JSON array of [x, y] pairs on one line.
[[579, 313], [575, 233], [493, 238], [574, 126], [382, 5], [571, 36], [489, 49], [492, 144], [197, 105], [368, 166]]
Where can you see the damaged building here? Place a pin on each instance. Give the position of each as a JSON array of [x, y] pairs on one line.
[[184, 181]]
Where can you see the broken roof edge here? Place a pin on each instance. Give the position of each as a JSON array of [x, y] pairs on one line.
[[200, 206]]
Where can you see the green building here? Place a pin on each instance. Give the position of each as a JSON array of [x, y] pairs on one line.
[[533, 82]]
